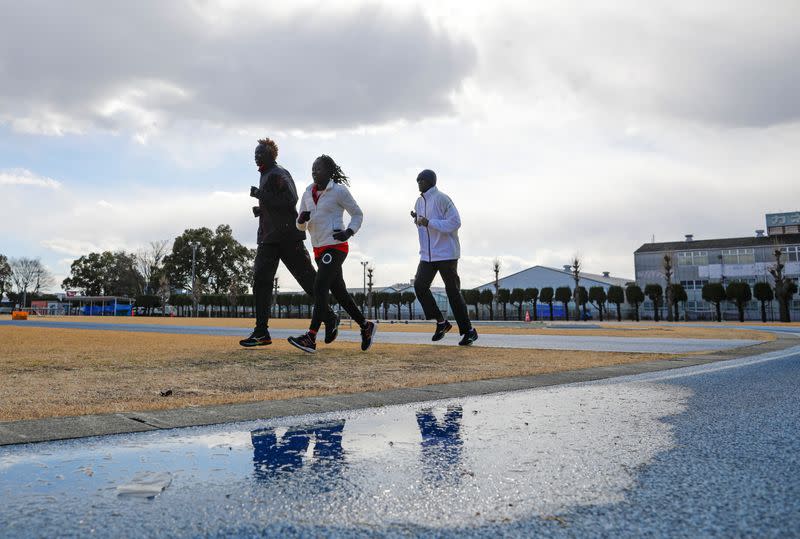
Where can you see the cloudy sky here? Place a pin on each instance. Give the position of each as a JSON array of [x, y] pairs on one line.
[[557, 127]]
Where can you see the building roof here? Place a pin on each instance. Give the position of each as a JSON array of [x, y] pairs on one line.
[[720, 243], [599, 279], [96, 299]]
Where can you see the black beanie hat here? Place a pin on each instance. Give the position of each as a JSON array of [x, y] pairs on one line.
[[427, 174]]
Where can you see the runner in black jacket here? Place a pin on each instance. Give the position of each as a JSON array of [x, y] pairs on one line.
[[278, 240]]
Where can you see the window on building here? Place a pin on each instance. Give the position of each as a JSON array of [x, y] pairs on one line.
[[791, 253], [693, 258], [738, 256], [698, 306], [693, 285]]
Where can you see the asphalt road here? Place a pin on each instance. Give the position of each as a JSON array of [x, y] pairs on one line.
[[706, 451], [539, 342]]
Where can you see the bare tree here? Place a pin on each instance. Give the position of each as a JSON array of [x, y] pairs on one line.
[[784, 287], [668, 258], [163, 293], [496, 270], [29, 274], [149, 261], [575, 268]]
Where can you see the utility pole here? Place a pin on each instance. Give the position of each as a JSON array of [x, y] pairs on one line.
[[496, 268], [370, 271], [669, 291], [275, 288], [576, 274], [194, 283], [364, 264]]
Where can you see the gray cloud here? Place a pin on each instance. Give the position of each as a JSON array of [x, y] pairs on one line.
[[715, 62], [143, 65]]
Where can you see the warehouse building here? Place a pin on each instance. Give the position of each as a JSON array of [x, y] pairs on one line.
[[543, 276]]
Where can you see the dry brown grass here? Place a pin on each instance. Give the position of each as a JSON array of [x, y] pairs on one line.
[[77, 372]]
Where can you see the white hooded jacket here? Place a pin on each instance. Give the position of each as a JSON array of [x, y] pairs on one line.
[[327, 215], [439, 240]]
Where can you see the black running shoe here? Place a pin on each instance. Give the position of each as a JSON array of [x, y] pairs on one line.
[[257, 338], [367, 333], [469, 337], [441, 329], [304, 342], [332, 329]]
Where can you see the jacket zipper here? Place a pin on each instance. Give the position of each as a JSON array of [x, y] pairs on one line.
[[427, 232]]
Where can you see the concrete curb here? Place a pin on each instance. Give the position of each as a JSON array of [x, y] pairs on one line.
[[63, 428]]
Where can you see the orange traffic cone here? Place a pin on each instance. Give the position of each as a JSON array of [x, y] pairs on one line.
[[527, 316]]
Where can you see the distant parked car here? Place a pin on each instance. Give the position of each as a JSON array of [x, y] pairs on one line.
[[6, 307]]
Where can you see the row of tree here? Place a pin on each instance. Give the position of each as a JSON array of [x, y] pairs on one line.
[[22, 279], [222, 265]]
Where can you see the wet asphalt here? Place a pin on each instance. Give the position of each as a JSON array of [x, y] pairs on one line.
[[704, 451]]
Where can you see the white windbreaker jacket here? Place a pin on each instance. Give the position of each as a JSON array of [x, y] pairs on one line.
[[439, 240], [327, 215]]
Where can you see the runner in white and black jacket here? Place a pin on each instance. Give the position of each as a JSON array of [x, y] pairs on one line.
[[321, 214], [437, 223]]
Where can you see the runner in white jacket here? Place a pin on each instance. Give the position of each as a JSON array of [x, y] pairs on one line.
[[437, 223], [321, 213]]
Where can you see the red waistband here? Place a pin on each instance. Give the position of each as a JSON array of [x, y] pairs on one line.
[[343, 247]]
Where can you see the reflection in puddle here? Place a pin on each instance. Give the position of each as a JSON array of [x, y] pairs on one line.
[[441, 464]]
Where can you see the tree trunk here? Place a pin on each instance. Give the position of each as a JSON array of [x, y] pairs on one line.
[[551, 311], [566, 311], [619, 314], [601, 313], [783, 306], [764, 311], [636, 310], [535, 316], [719, 312], [656, 311], [741, 311]]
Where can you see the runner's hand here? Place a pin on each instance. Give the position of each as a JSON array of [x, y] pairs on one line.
[[343, 235], [304, 217], [422, 221]]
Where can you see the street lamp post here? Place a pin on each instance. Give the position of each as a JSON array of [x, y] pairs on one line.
[[194, 283], [364, 264], [275, 296], [370, 270]]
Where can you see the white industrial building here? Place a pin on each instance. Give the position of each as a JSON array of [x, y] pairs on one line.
[[543, 276]]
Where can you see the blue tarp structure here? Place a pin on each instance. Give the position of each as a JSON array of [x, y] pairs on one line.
[[106, 310]]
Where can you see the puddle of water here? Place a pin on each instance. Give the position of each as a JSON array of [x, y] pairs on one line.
[[445, 464]]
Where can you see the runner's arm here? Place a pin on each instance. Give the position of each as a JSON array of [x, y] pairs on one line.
[[347, 201], [451, 221]]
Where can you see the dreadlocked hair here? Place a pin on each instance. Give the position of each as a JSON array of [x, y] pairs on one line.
[[336, 172], [272, 148]]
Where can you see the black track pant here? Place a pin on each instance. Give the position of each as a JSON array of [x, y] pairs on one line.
[[295, 257], [448, 269], [329, 278]]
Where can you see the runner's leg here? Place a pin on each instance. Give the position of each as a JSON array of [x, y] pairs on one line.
[[426, 271], [264, 268], [452, 283]]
